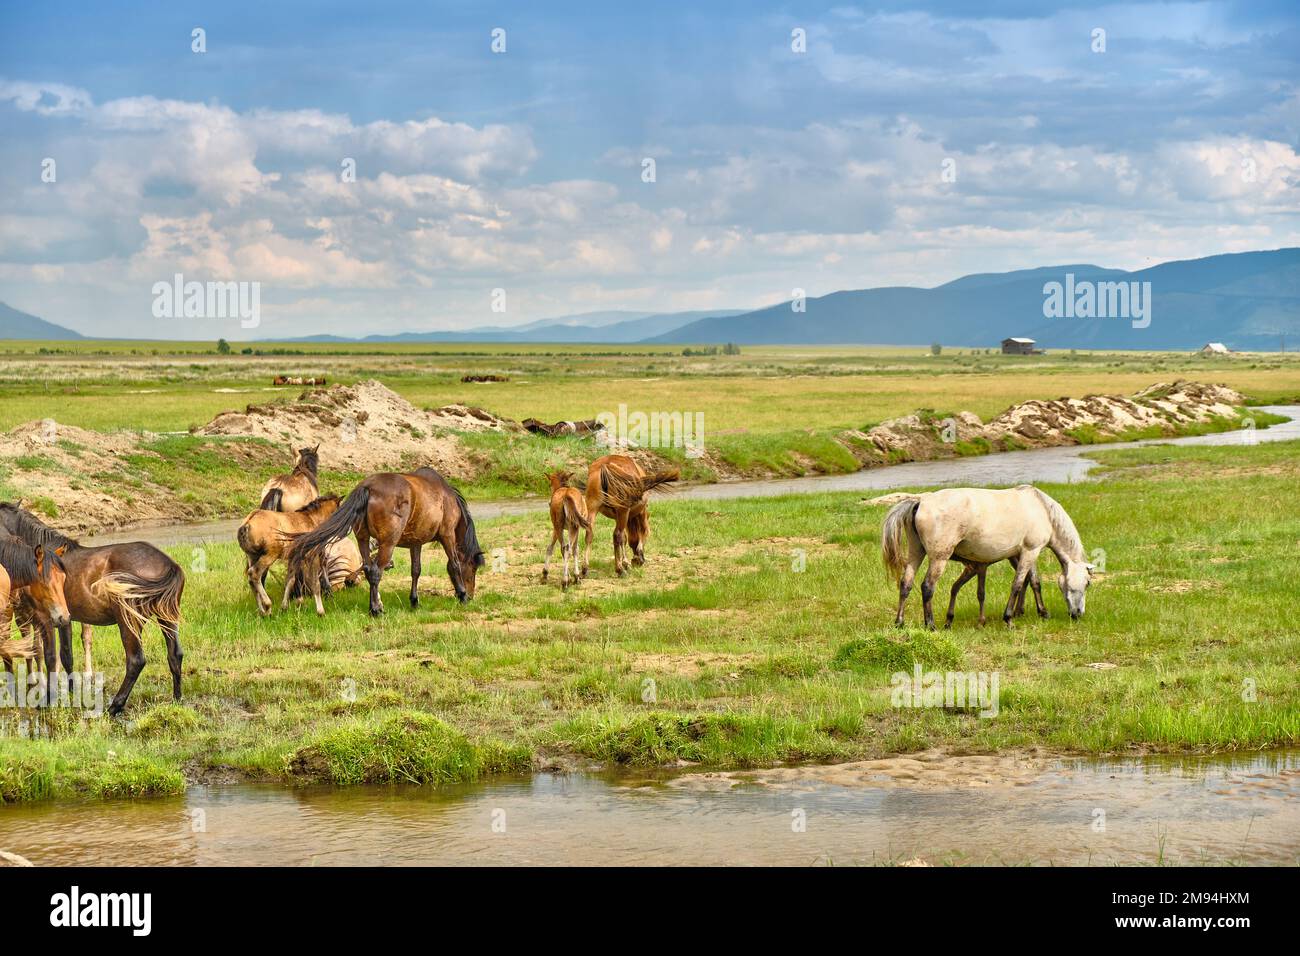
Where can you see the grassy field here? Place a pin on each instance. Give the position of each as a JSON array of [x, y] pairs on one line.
[[720, 652], [763, 391]]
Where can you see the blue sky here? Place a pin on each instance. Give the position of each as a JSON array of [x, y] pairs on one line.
[[775, 169]]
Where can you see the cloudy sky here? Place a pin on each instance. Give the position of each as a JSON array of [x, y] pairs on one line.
[[907, 145]]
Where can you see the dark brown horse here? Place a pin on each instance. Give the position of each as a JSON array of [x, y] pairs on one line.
[[617, 488], [124, 584], [37, 575], [398, 511], [296, 490]]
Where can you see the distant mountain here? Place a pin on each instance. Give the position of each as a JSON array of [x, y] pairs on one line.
[[597, 328], [1246, 300], [20, 325]]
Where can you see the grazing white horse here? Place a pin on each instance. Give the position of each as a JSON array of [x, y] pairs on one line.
[[981, 526]]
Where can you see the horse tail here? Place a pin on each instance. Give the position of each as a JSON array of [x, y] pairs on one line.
[[274, 498], [897, 535], [625, 491], [141, 598], [308, 550], [245, 538], [574, 516], [466, 536], [650, 482]]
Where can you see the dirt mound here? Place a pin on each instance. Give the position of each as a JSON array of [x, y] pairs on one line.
[[365, 427], [49, 467], [1166, 406]]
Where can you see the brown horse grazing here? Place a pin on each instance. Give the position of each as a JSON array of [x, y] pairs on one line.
[[399, 511], [617, 488], [343, 568], [568, 513], [266, 537], [296, 490], [124, 584], [38, 574]]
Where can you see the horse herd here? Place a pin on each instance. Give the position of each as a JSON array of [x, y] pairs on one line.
[[49, 580]]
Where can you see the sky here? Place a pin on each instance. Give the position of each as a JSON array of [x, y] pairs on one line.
[[896, 145]]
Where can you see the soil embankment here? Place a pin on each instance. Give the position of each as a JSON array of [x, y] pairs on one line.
[[89, 481]]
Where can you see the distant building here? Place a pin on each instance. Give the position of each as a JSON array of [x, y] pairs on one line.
[[1016, 346], [1215, 348]]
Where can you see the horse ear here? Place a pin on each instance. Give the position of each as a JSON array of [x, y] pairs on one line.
[[316, 448], [40, 554], [60, 549]]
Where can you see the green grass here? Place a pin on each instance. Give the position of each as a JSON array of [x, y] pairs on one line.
[[720, 653]]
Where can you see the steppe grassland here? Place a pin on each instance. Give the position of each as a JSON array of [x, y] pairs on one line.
[[752, 662]]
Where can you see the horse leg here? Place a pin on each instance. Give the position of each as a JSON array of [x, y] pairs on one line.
[[171, 634], [65, 647], [620, 543], [932, 573], [1037, 584], [1020, 601], [968, 571], [374, 573], [573, 551], [550, 550], [905, 588], [1026, 562], [586, 548], [415, 575], [134, 663], [979, 590], [257, 572], [85, 648]]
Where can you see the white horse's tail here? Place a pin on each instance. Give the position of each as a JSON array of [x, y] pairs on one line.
[[1065, 535], [898, 534]]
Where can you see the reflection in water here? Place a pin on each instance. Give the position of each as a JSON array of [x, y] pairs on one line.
[[1184, 811]]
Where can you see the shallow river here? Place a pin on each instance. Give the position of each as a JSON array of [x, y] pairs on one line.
[[990, 810]]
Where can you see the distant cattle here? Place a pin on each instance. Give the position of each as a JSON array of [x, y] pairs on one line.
[[588, 427]]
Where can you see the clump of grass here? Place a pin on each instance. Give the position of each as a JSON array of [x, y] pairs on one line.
[[879, 652], [26, 776], [715, 739], [406, 747], [133, 777], [167, 720]]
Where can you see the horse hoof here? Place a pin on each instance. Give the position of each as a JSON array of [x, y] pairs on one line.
[[947, 625]]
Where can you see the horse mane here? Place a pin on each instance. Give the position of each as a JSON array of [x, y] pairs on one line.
[[1065, 534], [31, 529], [308, 464], [19, 560], [466, 537], [316, 504]]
